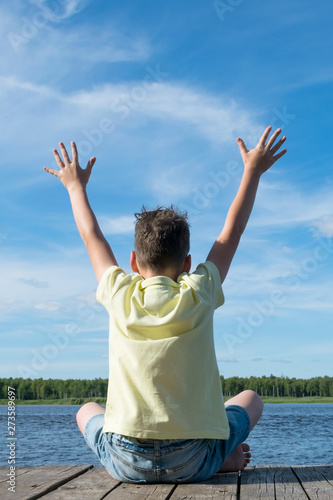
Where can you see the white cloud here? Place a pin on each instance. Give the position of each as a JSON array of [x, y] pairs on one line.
[[9, 305], [167, 182], [226, 360], [34, 282], [97, 340], [113, 46], [86, 298], [216, 117], [323, 226], [60, 9], [72, 7], [282, 205], [48, 306], [67, 277], [122, 224], [12, 83]]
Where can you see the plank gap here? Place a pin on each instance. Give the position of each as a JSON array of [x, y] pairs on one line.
[[239, 482], [112, 489], [171, 493], [300, 482]]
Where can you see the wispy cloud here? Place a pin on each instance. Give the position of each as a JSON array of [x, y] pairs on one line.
[[218, 118], [122, 224], [97, 340], [215, 119], [9, 305], [34, 282], [60, 9], [224, 359], [13, 83], [284, 204], [49, 306], [323, 226]]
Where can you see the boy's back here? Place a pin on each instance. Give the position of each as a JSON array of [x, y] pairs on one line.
[[164, 379]]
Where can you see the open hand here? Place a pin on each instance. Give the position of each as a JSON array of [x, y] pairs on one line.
[[70, 173], [261, 158]]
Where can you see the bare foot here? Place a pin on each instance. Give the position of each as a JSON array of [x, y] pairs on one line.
[[238, 459]]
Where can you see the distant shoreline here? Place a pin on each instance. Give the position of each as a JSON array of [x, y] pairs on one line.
[[81, 401]]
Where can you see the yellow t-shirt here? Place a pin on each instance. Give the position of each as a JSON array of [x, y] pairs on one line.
[[164, 381]]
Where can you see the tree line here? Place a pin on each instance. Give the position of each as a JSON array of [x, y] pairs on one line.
[[279, 387], [34, 389]]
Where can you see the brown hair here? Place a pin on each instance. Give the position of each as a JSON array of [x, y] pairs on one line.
[[162, 238]]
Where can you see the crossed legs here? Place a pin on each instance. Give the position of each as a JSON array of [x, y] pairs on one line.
[[240, 457], [254, 406]]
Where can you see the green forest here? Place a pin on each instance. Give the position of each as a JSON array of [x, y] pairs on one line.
[[56, 389]]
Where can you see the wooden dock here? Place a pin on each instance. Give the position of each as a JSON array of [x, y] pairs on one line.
[[80, 482]]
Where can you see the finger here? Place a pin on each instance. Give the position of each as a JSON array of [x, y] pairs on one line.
[[58, 159], [273, 138], [91, 163], [264, 136], [53, 172], [74, 152], [242, 147], [279, 155], [278, 145], [64, 153]]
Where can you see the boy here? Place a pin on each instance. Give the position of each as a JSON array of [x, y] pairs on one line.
[[165, 419]]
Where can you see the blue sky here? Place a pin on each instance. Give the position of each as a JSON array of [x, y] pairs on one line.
[[158, 92]]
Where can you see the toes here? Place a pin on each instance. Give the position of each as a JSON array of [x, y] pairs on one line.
[[245, 447]]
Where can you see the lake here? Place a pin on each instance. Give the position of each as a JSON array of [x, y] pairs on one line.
[[286, 434]]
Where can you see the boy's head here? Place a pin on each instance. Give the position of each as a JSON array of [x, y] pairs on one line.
[[162, 239]]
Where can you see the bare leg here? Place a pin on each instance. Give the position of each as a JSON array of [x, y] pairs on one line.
[[254, 406], [251, 402], [85, 413]]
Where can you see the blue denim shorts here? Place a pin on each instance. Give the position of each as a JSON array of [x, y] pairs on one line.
[[134, 460]]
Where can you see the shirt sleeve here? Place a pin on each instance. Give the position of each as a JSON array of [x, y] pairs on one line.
[[109, 284], [206, 281]]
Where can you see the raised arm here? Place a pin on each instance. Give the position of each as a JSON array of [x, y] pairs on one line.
[[75, 180], [256, 162]]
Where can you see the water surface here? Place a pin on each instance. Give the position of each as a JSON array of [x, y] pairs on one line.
[[286, 434]]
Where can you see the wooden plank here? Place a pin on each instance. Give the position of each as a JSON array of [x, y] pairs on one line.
[[327, 471], [257, 483], [128, 491], [286, 484], [93, 484], [316, 481], [4, 470], [219, 487], [60, 482], [38, 481]]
